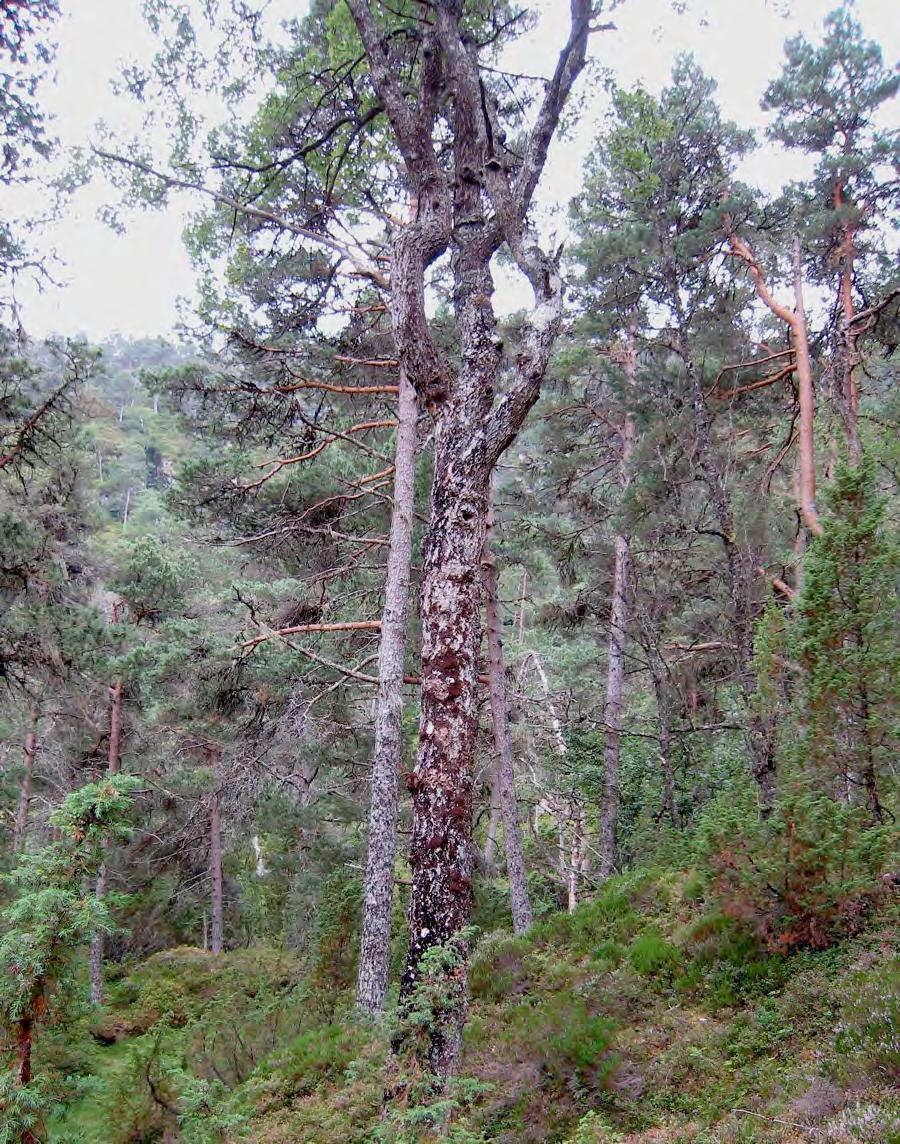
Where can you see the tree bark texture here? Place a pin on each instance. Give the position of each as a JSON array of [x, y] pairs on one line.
[[615, 675], [378, 895], [489, 853], [506, 774], [849, 352]]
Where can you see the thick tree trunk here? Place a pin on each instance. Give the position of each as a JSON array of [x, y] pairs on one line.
[[29, 750], [468, 201], [215, 873], [441, 784], [506, 775], [378, 897], [615, 675]]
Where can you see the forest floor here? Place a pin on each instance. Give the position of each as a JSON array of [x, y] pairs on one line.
[[642, 1017]]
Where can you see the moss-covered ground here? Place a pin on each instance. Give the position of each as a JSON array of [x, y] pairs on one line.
[[644, 1016]]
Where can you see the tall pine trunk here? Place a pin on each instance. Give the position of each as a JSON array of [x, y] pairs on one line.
[[441, 783], [506, 775], [849, 353], [378, 894], [470, 202], [615, 675]]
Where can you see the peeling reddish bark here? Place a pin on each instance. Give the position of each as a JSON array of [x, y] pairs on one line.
[[796, 322]]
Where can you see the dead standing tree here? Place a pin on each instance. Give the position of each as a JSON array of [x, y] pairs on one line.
[[472, 194]]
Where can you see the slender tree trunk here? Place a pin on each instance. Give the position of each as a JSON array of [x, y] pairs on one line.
[[523, 596], [488, 854], [575, 853], [114, 754], [806, 401], [618, 623], [664, 724], [215, 873], [24, 1044], [796, 323], [29, 750], [512, 831], [378, 896]]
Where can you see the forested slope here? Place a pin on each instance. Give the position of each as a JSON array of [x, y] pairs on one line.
[[419, 723]]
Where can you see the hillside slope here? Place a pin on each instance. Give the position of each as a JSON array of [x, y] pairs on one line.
[[645, 1016]]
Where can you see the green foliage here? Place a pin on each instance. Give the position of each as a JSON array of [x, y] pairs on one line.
[[844, 640], [869, 1029], [805, 877], [334, 948], [53, 913], [651, 955]]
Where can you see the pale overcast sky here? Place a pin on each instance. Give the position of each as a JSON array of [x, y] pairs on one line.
[[131, 283]]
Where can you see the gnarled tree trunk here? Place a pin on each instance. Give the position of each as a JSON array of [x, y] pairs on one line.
[[472, 196]]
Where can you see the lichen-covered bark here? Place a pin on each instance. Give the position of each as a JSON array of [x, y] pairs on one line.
[[441, 855], [378, 893]]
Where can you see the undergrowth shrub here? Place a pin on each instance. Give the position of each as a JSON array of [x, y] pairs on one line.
[[651, 955], [869, 1028], [334, 948], [808, 877]]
